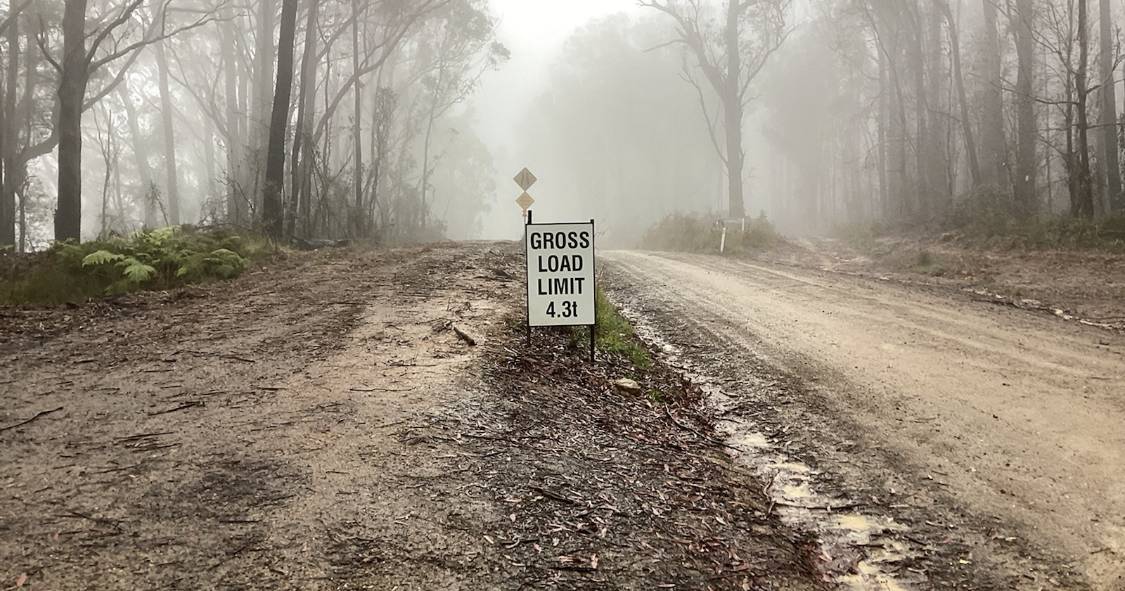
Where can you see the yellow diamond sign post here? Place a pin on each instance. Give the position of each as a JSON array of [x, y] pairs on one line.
[[525, 180], [525, 202]]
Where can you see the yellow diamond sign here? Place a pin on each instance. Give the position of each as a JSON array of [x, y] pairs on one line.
[[525, 201], [525, 179]]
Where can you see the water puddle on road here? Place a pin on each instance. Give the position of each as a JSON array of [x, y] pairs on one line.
[[858, 552]]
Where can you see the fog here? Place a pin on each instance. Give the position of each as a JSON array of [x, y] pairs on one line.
[[405, 120]]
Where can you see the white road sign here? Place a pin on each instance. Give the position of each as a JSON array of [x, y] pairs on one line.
[[560, 274]]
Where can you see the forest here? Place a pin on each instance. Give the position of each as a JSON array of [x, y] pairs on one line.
[[355, 118], [331, 119], [805, 295], [931, 115]]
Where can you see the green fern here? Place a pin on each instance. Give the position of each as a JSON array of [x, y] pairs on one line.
[[101, 257], [226, 263], [136, 271]]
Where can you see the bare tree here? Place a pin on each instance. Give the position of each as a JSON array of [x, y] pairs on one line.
[[962, 95], [730, 57], [993, 145], [1027, 132], [1108, 122], [81, 58], [272, 202]]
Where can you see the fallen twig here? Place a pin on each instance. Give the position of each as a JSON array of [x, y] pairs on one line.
[[553, 495], [830, 508], [142, 436], [219, 355], [697, 433], [38, 415], [178, 408]]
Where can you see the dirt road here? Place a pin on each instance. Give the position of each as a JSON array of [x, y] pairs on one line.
[[997, 436], [320, 423]]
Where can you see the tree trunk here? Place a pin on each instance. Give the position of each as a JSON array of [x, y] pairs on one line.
[[1111, 159], [209, 193], [962, 95], [306, 104], [898, 134], [16, 173], [1028, 135], [431, 119], [168, 128], [938, 107], [357, 120], [260, 123], [884, 123], [922, 147], [235, 141], [1085, 201], [272, 208], [72, 93], [994, 148], [9, 131], [140, 154], [732, 113]]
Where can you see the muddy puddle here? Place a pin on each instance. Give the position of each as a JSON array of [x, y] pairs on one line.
[[858, 551]]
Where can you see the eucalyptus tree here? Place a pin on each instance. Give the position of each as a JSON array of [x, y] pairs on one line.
[[730, 50], [96, 38]]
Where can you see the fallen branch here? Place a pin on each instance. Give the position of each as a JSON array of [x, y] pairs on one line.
[[218, 355], [464, 336], [697, 433], [37, 416], [553, 495]]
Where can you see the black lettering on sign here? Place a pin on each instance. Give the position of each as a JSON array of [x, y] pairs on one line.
[[561, 286], [563, 310], [560, 263], [541, 240]]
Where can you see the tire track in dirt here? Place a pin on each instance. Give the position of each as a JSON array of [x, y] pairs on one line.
[[319, 424], [256, 436], [1015, 416]]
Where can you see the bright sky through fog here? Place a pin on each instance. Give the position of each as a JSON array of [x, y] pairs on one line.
[[534, 31]]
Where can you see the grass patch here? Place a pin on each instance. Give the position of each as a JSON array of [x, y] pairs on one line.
[[613, 334], [156, 259]]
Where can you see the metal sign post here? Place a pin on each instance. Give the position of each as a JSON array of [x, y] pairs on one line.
[[525, 180]]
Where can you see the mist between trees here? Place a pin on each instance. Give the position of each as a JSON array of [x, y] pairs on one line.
[[930, 113], [354, 118], [337, 118]]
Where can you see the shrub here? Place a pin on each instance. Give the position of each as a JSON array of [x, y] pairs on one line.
[[155, 259], [699, 233], [985, 217]]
